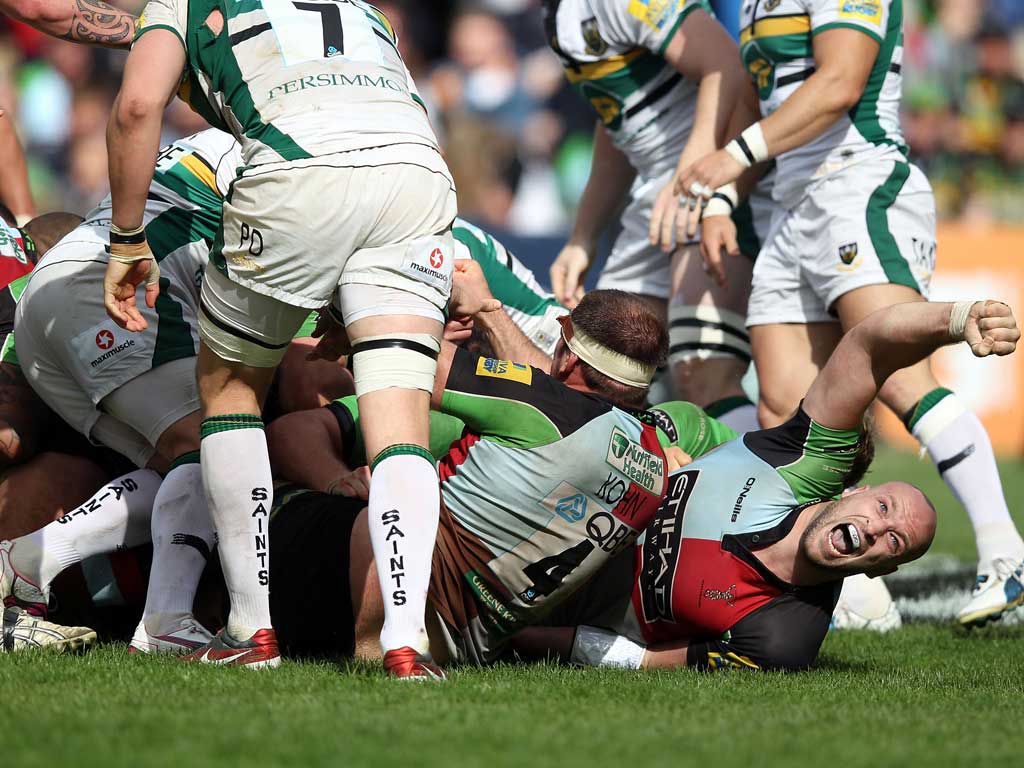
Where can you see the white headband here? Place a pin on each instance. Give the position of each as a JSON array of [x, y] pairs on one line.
[[613, 364]]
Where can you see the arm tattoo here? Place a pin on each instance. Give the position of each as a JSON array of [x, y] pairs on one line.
[[93, 21]]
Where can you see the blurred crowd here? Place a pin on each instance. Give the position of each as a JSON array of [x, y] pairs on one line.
[[518, 140]]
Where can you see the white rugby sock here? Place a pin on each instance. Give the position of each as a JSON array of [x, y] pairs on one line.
[[239, 489], [116, 516], [183, 540], [960, 447], [403, 512]]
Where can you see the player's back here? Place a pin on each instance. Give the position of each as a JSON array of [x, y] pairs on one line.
[[296, 80]]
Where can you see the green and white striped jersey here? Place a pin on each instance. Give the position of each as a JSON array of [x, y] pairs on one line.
[[182, 216], [612, 53], [776, 42], [530, 307], [293, 80]]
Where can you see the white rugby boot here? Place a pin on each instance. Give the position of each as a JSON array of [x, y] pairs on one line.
[[181, 635], [23, 631], [15, 589], [865, 603], [999, 588]]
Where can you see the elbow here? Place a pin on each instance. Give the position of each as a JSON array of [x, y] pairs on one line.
[[840, 95]]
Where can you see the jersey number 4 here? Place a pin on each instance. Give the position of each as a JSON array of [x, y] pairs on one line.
[[548, 573]]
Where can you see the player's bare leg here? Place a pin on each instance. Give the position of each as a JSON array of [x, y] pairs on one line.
[[788, 357], [239, 488], [957, 442], [404, 502], [710, 347]]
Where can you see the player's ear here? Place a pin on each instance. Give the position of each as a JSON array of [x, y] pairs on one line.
[[567, 365], [851, 491]]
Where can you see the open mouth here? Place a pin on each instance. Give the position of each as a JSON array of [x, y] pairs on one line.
[[845, 539]]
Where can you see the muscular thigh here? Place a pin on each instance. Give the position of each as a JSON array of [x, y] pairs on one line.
[[788, 356]]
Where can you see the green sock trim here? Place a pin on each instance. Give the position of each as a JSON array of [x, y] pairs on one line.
[[925, 404], [192, 457], [402, 449], [719, 408], [229, 421]]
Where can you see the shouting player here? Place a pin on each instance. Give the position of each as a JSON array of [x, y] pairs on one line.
[[743, 563]]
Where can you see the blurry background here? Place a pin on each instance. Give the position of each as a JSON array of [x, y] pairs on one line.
[[518, 140]]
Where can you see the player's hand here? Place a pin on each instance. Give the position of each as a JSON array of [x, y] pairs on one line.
[[458, 329], [706, 175], [676, 457], [356, 484], [334, 342], [568, 272], [717, 239], [470, 293], [673, 221], [130, 266], [991, 329]]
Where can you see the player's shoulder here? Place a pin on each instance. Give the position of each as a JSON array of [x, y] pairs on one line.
[[787, 633]]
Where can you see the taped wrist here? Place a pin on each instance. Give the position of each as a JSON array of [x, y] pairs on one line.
[[723, 202], [958, 319], [749, 147], [402, 360], [593, 647]]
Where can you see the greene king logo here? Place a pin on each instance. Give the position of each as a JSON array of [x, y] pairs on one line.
[[635, 462]]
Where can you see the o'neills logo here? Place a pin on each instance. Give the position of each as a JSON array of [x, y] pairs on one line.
[[637, 463], [112, 351]]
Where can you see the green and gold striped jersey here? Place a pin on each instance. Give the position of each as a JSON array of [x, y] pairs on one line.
[[777, 45], [294, 80], [612, 53]]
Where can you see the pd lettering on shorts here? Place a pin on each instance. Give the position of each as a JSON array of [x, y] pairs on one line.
[[105, 344], [429, 260]]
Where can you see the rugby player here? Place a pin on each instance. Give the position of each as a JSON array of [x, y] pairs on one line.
[[664, 79], [345, 198], [136, 393], [548, 477], [743, 563], [854, 232]]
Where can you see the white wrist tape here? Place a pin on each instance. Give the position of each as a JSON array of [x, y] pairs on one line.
[[958, 319], [723, 202], [593, 647], [749, 147]]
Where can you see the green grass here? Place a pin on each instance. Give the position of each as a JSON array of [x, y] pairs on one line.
[[927, 695]]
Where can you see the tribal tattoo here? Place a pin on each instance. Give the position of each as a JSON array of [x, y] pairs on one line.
[[95, 22]]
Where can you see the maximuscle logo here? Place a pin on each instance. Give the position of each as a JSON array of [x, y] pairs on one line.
[[110, 352], [634, 461]]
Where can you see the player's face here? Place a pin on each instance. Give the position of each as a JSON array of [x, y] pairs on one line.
[[871, 531]]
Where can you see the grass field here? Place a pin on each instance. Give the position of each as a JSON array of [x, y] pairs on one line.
[[926, 695]]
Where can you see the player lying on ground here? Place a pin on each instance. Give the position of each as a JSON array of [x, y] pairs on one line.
[[854, 232], [743, 563]]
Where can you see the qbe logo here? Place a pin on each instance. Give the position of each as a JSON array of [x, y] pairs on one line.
[[104, 339]]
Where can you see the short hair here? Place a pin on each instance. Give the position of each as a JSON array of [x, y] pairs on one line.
[[865, 453], [47, 230], [628, 325]]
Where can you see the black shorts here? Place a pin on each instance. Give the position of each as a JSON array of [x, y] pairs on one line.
[[310, 593]]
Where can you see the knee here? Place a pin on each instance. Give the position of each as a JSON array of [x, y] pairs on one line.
[[702, 382], [771, 413], [304, 384]]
